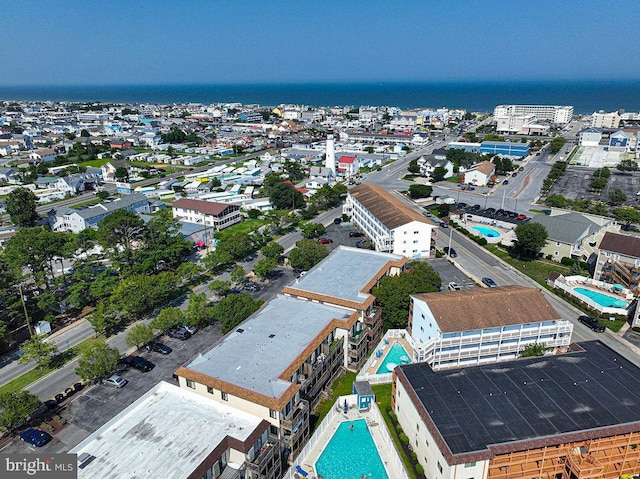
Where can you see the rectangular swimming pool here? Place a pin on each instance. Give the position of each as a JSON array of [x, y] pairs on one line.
[[602, 299], [396, 355], [351, 454]]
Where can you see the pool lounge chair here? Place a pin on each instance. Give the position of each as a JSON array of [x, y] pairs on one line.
[[301, 471]]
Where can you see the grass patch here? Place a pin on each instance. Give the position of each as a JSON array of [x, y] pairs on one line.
[[97, 163], [94, 201], [614, 325], [341, 387], [453, 179], [383, 400], [247, 226], [538, 270]]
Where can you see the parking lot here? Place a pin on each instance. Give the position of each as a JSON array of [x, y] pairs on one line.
[[339, 234], [574, 185], [91, 408], [449, 273]]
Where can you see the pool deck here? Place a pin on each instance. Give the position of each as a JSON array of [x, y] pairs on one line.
[[373, 368], [378, 432]]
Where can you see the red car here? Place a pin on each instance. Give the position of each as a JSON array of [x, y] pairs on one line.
[[521, 217], [325, 240]]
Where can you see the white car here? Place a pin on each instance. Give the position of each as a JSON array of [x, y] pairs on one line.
[[115, 381], [453, 286]]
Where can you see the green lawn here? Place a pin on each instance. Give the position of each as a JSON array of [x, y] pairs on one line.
[[341, 387], [94, 201], [247, 226], [96, 163], [538, 270]]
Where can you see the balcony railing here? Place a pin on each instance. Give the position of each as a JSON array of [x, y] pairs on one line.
[[299, 412]]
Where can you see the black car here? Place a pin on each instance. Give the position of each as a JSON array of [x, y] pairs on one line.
[[450, 251], [355, 234], [252, 287], [491, 210], [462, 204], [593, 323], [160, 348], [337, 221], [179, 333], [141, 364], [476, 207]]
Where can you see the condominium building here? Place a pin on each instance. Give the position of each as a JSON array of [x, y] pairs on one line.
[[484, 325], [602, 119], [619, 261], [390, 223], [556, 114], [216, 215], [346, 280], [568, 416]]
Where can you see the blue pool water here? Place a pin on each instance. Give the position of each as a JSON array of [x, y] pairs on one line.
[[396, 355], [351, 454], [602, 299], [487, 232]]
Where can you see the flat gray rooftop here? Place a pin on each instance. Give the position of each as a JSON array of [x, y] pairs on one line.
[[344, 273], [530, 398], [258, 351], [142, 441]]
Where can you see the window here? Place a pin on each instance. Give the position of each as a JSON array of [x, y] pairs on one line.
[[273, 430], [417, 427], [225, 397], [191, 384], [209, 389], [469, 464], [273, 414], [439, 467]]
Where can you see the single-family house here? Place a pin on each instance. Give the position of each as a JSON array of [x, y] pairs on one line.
[[43, 156], [429, 163], [348, 166], [215, 215], [480, 174], [109, 170]]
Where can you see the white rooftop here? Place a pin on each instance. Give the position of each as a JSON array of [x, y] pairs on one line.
[[345, 273], [146, 440], [258, 351]]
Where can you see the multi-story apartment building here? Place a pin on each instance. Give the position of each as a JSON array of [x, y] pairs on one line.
[[602, 119], [208, 213], [556, 114], [346, 280], [484, 325], [389, 223], [619, 261], [568, 416]]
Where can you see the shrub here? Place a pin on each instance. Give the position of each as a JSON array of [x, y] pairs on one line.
[[419, 469], [392, 415], [636, 329], [567, 261], [414, 455], [404, 439]]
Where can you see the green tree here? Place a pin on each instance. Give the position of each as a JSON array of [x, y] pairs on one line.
[[120, 229], [106, 319], [219, 286], [38, 350], [16, 408], [413, 167], [272, 250], [420, 191], [217, 259], [284, 196], [103, 195], [238, 274], [627, 165], [439, 173], [238, 245], [312, 230], [198, 312], [167, 318], [265, 267], [531, 237], [97, 360], [533, 350], [21, 207], [176, 135], [598, 183], [307, 254], [84, 133], [393, 292], [627, 215], [617, 196], [443, 210], [141, 293], [121, 173], [556, 144], [188, 271], [234, 309], [556, 201], [139, 335]]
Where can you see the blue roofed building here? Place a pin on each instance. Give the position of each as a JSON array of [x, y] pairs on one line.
[[504, 148]]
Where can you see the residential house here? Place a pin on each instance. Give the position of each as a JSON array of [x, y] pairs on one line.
[[429, 163], [573, 235], [348, 166], [109, 170], [321, 173], [619, 261], [480, 174], [8, 174], [43, 156], [120, 145], [589, 137], [389, 222], [76, 220], [484, 325], [215, 215]]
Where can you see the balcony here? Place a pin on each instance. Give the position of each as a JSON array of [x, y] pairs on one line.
[[357, 338], [267, 456], [300, 412], [373, 317]]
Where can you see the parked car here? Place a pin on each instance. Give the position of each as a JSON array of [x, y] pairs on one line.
[[515, 173], [324, 240], [491, 210], [453, 286], [337, 221], [179, 333], [593, 323], [160, 348], [470, 188], [489, 282], [505, 182], [252, 287], [355, 234], [35, 437], [141, 364], [500, 212], [476, 207], [521, 217], [450, 252], [462, 204], [115, 381], [521, 168], [190, 327]]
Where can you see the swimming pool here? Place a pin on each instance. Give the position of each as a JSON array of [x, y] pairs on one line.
[[396, 355], [487, 232], [351, 453], [602, 299]]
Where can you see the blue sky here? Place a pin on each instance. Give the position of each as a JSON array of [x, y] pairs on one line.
[[62, 42]]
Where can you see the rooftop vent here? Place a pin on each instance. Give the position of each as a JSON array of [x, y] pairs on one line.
[[239, 330], [272, 335]]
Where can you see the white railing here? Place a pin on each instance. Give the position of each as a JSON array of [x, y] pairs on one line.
[[588, 301], [372, 361], [388, 442]]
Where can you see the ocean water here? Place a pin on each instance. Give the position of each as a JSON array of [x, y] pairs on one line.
[[585, 96]]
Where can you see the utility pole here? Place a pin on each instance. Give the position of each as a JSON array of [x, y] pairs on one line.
[[24, 307]]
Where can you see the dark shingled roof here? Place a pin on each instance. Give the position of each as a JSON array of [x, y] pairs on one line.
[[513, 402], [488, 307], [391, 211], [206, 207], [622, 244]]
